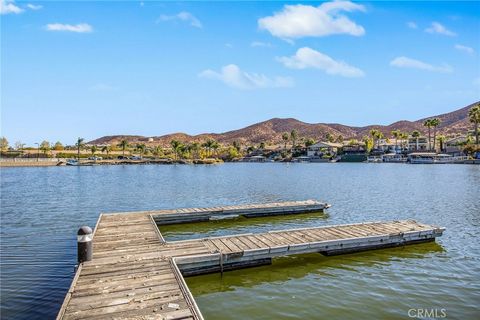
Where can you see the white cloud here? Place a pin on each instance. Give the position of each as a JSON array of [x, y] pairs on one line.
[[440, 29], [80, 28], [260, 44], [296, 21], [464, 49], [232, 76], [9, 6], [412, 25], [308, 58], [404, 62], [183, 16], [34, 6]]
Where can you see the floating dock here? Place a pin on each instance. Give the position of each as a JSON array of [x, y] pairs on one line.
[[136, 274]]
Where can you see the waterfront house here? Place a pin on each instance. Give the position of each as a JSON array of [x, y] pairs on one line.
[[354, 153], [390, 145], [417, 144], [454, 146], [321, 148]]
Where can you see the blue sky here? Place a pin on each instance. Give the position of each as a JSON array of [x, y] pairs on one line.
[[90, 69]]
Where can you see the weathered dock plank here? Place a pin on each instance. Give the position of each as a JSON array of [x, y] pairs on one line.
[[136, 274]]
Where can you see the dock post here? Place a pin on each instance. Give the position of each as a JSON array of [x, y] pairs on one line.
[[84, 244]]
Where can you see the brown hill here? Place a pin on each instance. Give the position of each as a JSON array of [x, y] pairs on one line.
[[271, 131]]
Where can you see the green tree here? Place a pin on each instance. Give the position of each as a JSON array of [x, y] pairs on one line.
[[210, 145], [416, 135], [428, 123], [79, 145], [58, 146], [329, 137], [93, 149], [474, 117], [195, 149], [404, 138], [262, 145], [340, 139], [157, 151], [45, 146], [106, 149], [237, 145], [396, 134], [376, 136], [3, 143], [232, 153], [215, 147], [441, 140], [123, 145], [435, 122], [176, 146], [368, 143], [294, 137], [141, 147], [309, 142], [285, 138]]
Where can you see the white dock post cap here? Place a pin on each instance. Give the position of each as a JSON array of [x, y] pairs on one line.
[[84, 234], [84, 244]]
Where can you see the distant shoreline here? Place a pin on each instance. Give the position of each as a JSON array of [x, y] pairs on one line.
[[35, 163]]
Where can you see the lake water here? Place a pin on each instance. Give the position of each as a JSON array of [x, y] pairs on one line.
[[42, 208]]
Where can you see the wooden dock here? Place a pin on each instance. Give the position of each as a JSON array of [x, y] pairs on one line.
[[136, 274]]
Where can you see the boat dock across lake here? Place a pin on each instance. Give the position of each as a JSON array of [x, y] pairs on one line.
[[136, 274]]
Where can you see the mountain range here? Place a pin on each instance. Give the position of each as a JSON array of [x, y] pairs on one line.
[[271, 131]]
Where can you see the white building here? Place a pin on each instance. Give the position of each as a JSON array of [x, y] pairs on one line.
[[417, 144]]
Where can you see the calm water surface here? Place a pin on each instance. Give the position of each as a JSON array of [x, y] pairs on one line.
[[42, 208]]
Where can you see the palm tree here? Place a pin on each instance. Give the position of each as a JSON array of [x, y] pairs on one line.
[[124, 145], [209, 145], [176, 145], [93, 149], [435, 122], [285, 140], [237, 145], [376, 135], [215, 147], [428, 123], [195, 148], [45, 146], [368, 143], [262, 145], [404, 138], [329, 137], [416, 135], [79, 145], [141, 147], [293, 136], [309, 142], [396, 135], [157, 150], [441, 140], [106, 149], [474, 117]]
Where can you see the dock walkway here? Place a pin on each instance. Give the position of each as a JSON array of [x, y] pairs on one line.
[[136, 274]]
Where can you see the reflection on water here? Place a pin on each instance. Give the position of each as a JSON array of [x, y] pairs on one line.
[[241, 225], [42, 208], [299, 266]]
